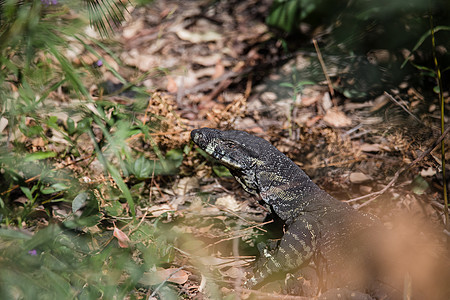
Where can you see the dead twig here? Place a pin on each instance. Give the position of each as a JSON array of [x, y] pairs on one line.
[[324, 69], [403, 107], [397, 174], [273, 295]]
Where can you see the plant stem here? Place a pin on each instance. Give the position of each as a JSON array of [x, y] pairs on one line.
[[441, 100]]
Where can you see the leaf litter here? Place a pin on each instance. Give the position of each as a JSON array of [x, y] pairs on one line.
[[218, 66]]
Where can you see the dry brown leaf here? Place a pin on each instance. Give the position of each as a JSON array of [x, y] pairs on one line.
[[336, 118], [327, 104], [185, 185], [133, 29], [171, 85], [233, 272], [219, 69], [370, 147], [359, 177], [38, 142], [228, 202], [428, 172], [3, 123], [308, 101], [207, 60], [197, 37], [313, 121], [161, 275], [122, 238], [158, 210]]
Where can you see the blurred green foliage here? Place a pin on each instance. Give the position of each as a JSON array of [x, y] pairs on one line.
[[56, 238], [56, 263], [371, 38]]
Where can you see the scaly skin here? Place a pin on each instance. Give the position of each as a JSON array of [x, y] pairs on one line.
[[318, 227]]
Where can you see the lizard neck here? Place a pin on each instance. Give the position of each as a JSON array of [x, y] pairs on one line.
[[290, 193]]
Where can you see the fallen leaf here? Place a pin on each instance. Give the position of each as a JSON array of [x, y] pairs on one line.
[[359, 177], [428, 172], [158, 210], [370, 147], [228, 202], [207, 60], [196, 37], [233, 272], [313, 121], [122, 238], [171, 85], [336, 118], [219, 69], [326, 102], [3, 123], [161, 275], [419, 185], [185, 185], [133, 29]]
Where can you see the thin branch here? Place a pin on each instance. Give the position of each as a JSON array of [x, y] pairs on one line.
[[403, 107], [324, 68]]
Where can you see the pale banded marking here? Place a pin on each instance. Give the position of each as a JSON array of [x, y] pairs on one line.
[[275, 262], [210, 148]]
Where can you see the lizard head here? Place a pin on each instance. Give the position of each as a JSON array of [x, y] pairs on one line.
[[237, 150], [245, 155]]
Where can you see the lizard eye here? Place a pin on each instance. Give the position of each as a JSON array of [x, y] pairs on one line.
[[230, 145]]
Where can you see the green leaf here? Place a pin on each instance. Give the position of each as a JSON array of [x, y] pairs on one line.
[[123, 187], [422, 39], [114, 208], [27, 192], [141, 168], [106, 15], [55, 188], [84, 222], [79, 201], [287, 15], [6, 233], [287, 84], [301, 84], [52, 122], [175, 156], [419, 185], [39, 155], [84, 125], [221, 171], [70, 126]]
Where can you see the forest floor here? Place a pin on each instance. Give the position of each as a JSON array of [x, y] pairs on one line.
[[219, 66], [224, 69]]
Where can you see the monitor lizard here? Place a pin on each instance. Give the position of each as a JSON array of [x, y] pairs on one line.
[[318, 227]]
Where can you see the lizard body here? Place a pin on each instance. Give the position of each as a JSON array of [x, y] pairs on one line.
[[318, 227]]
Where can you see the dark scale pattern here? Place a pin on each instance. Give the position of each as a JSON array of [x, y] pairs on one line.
[[318, 227]]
